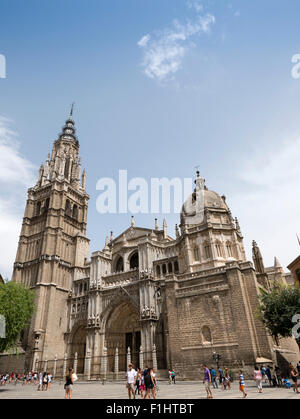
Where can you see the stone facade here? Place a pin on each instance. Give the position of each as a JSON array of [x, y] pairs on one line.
[[146, 297]]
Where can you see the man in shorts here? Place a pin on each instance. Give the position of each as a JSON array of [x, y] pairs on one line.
[[131, 380], [207, 381]]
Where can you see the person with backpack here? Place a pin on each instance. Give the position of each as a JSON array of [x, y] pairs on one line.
[[257, 375]]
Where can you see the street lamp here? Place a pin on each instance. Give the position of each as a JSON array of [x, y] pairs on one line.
[[216, 358]]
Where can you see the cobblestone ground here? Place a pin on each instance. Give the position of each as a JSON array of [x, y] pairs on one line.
[[117, 390]]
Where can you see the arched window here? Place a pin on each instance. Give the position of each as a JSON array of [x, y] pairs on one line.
[[207, 250], [196, 254], [68, 207], [219, 249], [75, 212], [157, 270], [46, 206], [229, 249], [38, 208], [120, 265], [134, 261], [164, 269], [176, 267], [170, 267], [67, 167], [206, 335]]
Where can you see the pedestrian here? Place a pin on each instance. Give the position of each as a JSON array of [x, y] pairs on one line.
[[269, 374], [242, 384], [40, 381], [298, 368], [213, 373], [170, 376], [131, 376], [154, 381], [49, 377], [294, 377], [207, 381], [173, 376], [69, 384], [138, 382], [45, 382], [227, 379], [221, 376], [149, 383], [142, 384], [257, 375]]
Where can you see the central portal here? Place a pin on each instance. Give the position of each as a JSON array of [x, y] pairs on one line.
[[123, 331]]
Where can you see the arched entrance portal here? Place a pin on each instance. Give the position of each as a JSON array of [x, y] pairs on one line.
[[123, 330], [78, 345]]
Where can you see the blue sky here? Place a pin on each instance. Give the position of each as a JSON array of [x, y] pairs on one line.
[[160, 86]]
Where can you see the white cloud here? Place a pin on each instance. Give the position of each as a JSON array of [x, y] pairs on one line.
[[16, 174], [144, 41], [165, 50], [268, 206]]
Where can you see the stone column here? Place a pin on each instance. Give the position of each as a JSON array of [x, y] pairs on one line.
[[87, 366], [65, 365], [54, 366], [46, 365], [154, 358], [116, 364], [36, 366], [104, 363], [141, 358], [75, 363], [128, 357]]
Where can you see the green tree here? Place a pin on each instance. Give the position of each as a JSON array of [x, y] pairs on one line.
[[277, 309], [17, 306]]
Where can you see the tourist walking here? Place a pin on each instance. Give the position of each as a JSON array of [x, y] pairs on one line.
[[49, 377], [213, 373], [40, 381], [269, 374], [227, 379], [45, 382], [242, 384], [131, 376], [149, 382], [207, 381], [69, 384], [221, 377], [173, 377], [142, 384], [138, 382], [257, 375], [170, 376], [294, 377]]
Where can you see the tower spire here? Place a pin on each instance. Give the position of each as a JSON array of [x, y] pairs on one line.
[[71, 111]]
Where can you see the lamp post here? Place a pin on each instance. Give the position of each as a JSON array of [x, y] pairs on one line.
[[216, 358]]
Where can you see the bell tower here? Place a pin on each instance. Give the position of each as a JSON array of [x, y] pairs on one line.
[[53, 247]]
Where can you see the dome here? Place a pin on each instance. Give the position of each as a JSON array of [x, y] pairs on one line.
[[201, 199]]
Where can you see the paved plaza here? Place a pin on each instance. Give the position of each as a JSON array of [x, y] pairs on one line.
[[117, 390]]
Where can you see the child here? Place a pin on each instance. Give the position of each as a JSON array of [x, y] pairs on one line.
[[242, 384]]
